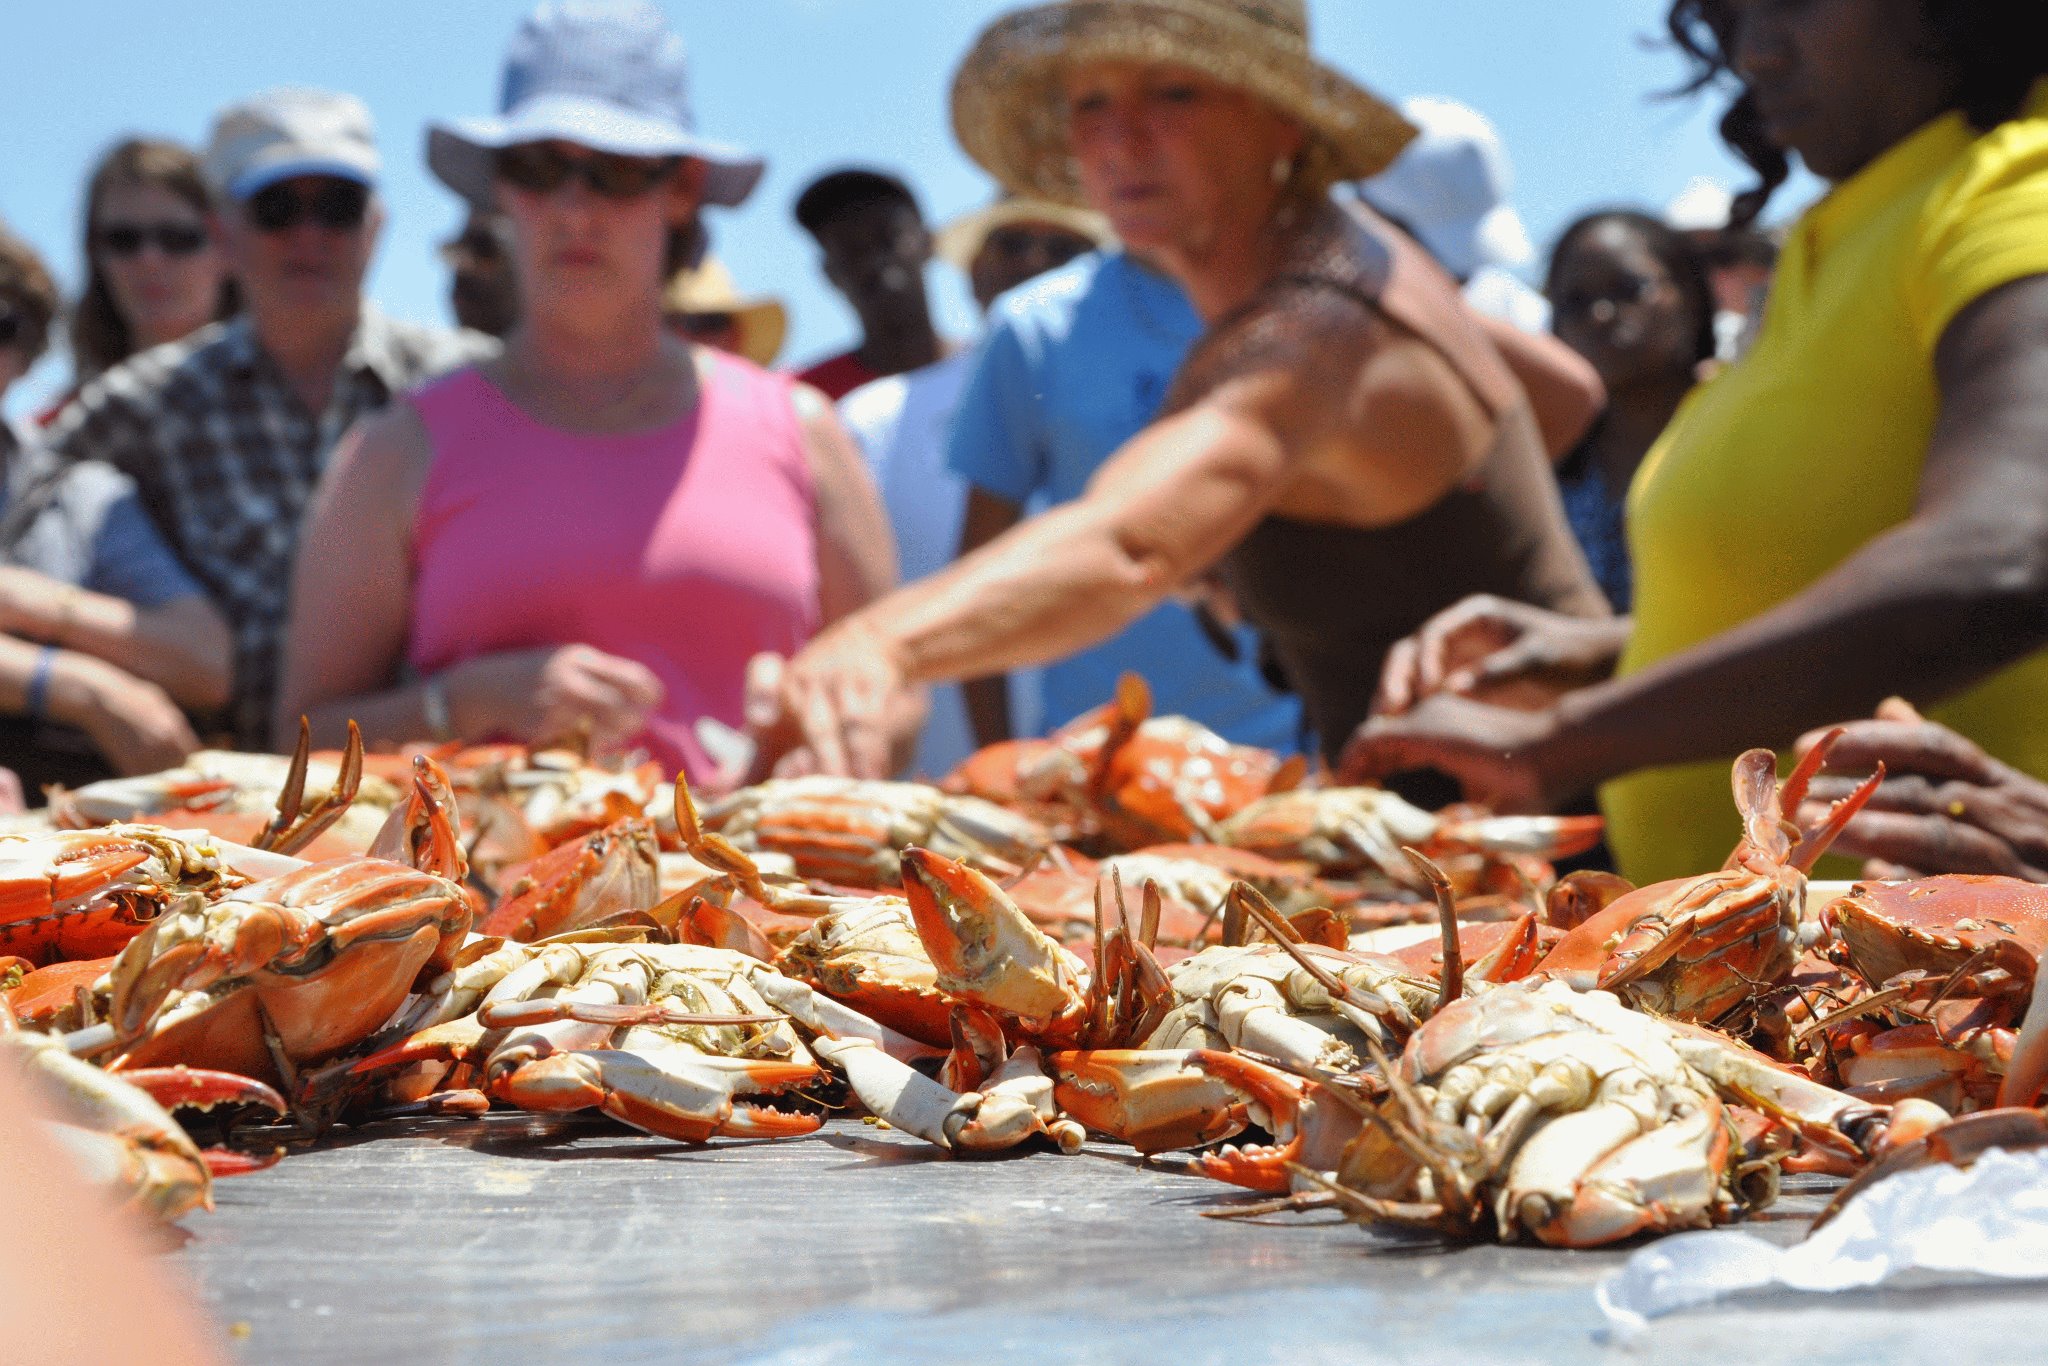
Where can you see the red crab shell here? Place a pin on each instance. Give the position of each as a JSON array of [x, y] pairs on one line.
[[1938, 924]]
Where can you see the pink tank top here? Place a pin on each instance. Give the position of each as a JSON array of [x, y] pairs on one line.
[[689, 548]]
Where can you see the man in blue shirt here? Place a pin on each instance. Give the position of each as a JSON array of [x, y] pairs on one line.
[[1076, 363]]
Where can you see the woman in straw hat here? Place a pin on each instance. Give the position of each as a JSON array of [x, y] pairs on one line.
[[1343, 443], [594, 532]]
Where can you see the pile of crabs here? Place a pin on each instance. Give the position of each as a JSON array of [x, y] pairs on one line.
[[1130, 930]]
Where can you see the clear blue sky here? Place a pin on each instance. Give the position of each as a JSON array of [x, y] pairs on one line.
[[811, 84]]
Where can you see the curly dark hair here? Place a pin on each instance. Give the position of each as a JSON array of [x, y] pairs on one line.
[[100, 338], [1983, 40], [25, 284], [1680, 259]]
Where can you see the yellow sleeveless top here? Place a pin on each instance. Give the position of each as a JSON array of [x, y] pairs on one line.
[[1778, 469]]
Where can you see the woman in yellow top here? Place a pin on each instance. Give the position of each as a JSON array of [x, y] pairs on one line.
[[1857, 508]]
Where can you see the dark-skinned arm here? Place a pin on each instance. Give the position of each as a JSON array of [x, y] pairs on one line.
[[988, 697], [1954, 593], [1563, 387]]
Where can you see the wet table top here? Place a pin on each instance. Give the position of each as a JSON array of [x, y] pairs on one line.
[[543, 1239]]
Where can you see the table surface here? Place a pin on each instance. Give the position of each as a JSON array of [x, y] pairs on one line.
[[534, 1238]]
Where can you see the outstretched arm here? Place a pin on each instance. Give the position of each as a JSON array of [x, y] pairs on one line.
[[1176, 498], [1955, 592], [988, 697]]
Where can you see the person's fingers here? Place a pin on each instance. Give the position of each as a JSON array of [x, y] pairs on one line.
[[1922, 747], [1907, 793], [1882, 870], [1899, 709], [13, 801], [1397, 679], [801, 762], [629, 677], [763, 691], [863, 721], [820, 718], [1437, 643], [1503, 665], [1385, 746], [1935, 843]]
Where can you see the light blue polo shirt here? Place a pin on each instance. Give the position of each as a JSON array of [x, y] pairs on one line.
[[1076, 363]]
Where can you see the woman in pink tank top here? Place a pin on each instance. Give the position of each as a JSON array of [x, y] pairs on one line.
[[595, 531]]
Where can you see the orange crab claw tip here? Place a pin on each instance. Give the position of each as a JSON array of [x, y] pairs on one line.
[[405, 1053], [1257, 1168], [756, 1121], [202, 1089], [223, 1162], [779, 1076]]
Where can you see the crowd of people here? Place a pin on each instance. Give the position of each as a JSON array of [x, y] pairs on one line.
[[1265, 408]]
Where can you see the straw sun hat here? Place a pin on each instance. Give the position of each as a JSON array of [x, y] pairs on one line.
[[1008, 107], [708, 287]]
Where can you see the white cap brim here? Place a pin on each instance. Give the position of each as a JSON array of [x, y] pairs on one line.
[[460, 152], [264, 174]]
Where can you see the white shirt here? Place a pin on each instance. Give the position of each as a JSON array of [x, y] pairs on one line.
[[902, 424]]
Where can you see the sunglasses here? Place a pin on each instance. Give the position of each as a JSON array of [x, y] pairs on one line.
[[478, 248], [337, 205], [701, 325], [128, 239], [540, 169]]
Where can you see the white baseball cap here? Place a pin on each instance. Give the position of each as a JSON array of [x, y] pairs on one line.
[[1450, 189], [1702, 206], [288, 132]]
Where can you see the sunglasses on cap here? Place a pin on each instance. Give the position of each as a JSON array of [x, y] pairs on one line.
[[337, 205], [542, 169], [128, 239], [701, 325], [480, 248]]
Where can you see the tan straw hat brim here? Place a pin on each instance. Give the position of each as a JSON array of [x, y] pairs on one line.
[[961, 240], [708, 287], [1008, 107]]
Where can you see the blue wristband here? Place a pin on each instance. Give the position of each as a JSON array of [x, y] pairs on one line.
[[39, 683]]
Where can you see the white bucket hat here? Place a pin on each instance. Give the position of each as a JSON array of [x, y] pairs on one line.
[[609, 75], [1450, 189]]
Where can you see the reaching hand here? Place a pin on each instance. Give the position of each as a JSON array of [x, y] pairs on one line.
[[1945, 806], [133, 723], [1494, 753], [837, 707], [1508, 654], [552, 694]]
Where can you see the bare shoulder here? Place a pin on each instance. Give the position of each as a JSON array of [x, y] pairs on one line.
[[379, 467], [1302, 335]]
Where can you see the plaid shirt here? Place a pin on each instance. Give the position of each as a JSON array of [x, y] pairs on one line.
[[226, 458]]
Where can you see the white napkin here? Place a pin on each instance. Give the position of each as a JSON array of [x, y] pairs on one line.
[[1990, 1219]]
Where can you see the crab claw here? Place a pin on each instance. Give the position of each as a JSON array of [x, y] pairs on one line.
[[1016, 1103], [1161, 1099], [985, 949], [671, 1093], [454, 1041], [201, 1088], [1550, 837]]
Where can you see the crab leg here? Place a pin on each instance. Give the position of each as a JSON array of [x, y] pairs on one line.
[[667, 1091], [1016, 1103]]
